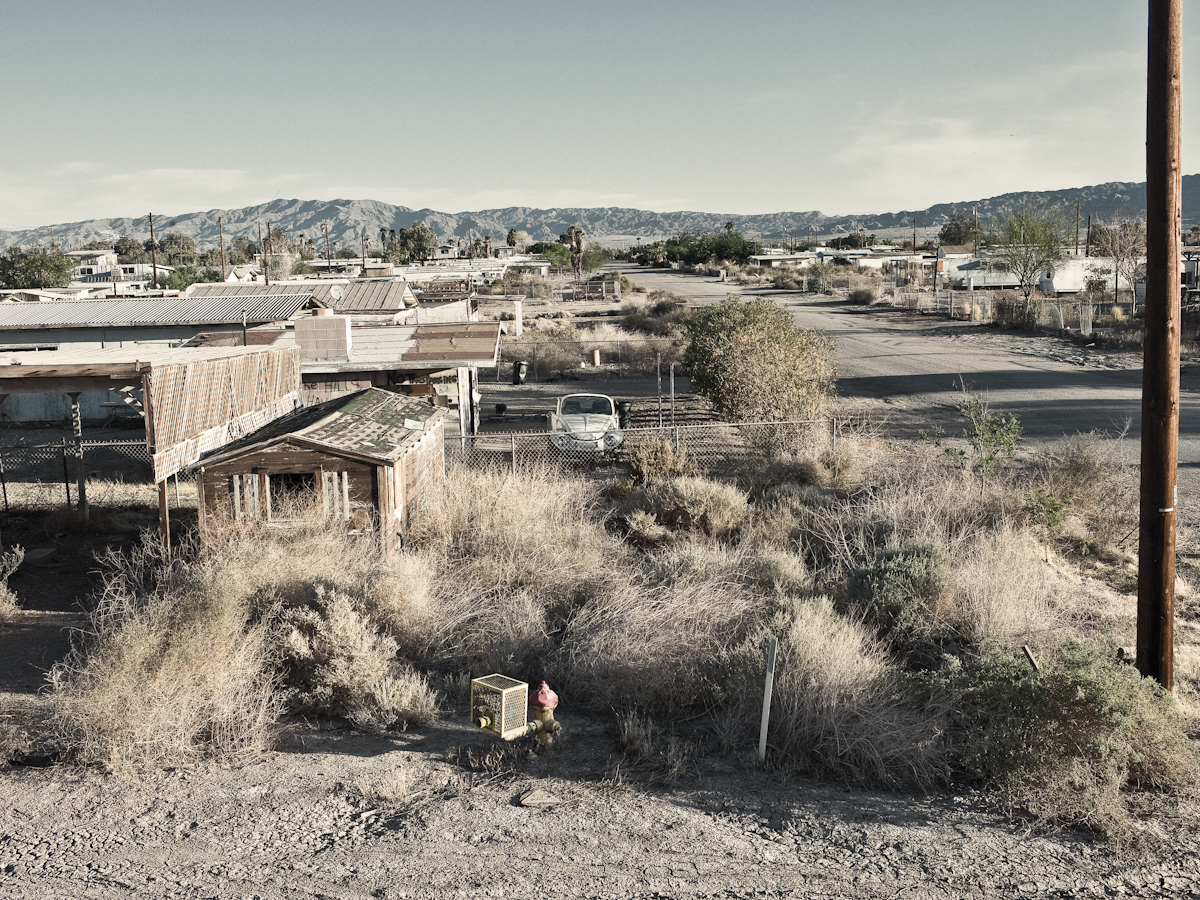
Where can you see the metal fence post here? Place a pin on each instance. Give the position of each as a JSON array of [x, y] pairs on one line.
[[658, 369], [672, 395], [4, 483], [513, 441], [535, 371], [833, 435], [66, 474]]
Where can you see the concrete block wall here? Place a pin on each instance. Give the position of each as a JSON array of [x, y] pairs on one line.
[[323, 337]]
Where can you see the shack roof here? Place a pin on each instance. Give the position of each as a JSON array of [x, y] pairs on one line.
[[366, 295], [388, 348], [258, 308], [373, 425]]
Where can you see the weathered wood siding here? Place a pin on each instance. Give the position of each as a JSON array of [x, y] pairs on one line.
[[285, 458]]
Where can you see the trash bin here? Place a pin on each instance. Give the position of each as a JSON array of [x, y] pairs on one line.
[[624, 412], [519, 370]]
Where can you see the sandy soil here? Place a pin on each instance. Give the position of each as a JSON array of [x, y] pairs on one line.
[[438, 813]]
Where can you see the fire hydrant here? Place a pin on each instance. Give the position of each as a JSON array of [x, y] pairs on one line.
[[544, 728]]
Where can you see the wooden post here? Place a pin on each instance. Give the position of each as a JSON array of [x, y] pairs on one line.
[[80, 474], [200, 507], [1160, 372], [164, 514]]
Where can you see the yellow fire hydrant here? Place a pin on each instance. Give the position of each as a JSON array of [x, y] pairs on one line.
[[544, 727]]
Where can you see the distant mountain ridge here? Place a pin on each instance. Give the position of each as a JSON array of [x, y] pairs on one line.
[[349, 218]]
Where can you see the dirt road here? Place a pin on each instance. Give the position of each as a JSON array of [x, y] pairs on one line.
[[915, 364]]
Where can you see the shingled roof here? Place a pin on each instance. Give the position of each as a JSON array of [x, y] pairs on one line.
[[374, 425]]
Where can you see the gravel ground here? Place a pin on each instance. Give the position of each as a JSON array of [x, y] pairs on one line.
[[339, 814]]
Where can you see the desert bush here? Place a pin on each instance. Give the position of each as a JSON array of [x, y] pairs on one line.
[[692, 503], [839, 707], [1089, 472], [755, 364], [661, 314], [1069, 742], [655, 647], [900, 591], [787, 280], [649, 750], [9, 563], [659, 458], [862, 295], [15, 743], [168, 673], [1001, 590], [338, 663]]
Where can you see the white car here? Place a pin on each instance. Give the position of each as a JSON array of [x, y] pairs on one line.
[[586, 422]]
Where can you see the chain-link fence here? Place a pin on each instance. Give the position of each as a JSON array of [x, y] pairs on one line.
[[717, 448], [35, 476]]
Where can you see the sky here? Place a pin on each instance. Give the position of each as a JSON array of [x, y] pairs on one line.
[[126, 107]]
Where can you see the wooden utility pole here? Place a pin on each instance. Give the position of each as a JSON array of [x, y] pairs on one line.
[[1160, 371], [1088, 248], [266, 251], [153, 252], [1076, 229], [221, 229]]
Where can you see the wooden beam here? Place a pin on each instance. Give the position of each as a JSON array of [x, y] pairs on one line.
[[164, 514]]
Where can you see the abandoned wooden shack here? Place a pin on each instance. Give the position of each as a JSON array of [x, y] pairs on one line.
[[366, 457]]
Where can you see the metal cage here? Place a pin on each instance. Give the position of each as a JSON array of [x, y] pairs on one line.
[[498, 705]]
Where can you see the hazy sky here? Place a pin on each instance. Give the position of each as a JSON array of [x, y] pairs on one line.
[[122, 107]]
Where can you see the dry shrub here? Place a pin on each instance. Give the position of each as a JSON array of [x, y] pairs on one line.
[[659, 458], [1089, 471], [1070, 742], [338, 663], [167, 673], [1002, 589], [400, 595], [15, 743], [655, 647], [862, 295], [534, 530], [692, 504], [839, 707], [9, 563], [643, 530]]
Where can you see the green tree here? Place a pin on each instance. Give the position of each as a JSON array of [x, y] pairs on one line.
[[755, 364], [37, 267], [414, 244], [958, 230], [130, 251], [1027, 242], [594, 258], [179, 249], [559, 255]]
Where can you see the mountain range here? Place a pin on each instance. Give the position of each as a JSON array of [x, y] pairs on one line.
[[349, 218]]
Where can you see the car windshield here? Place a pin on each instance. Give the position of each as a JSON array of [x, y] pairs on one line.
[[573, 406]]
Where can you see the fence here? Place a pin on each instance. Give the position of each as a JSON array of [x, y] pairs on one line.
[[548, 359], [717, 448], [1008, 308], [41, 475]]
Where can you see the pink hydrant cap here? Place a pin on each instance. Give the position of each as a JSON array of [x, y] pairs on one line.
[[544, 697]]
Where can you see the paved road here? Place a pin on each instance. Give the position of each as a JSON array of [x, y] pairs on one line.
[[914, 365]]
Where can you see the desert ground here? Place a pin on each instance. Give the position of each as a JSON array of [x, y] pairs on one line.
[[444, 811]]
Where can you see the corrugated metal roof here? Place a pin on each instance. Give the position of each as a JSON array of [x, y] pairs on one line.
[[369, 295], [373, 424], [171, 311]]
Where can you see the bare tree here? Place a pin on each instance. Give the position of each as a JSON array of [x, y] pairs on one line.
[[1124, 242], [1027, 242]]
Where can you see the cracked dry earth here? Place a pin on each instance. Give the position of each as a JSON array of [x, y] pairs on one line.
[[337, 814]]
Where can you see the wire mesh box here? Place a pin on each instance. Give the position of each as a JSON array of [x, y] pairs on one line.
[[498, 705]]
